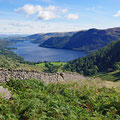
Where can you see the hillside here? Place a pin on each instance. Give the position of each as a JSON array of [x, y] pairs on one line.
[[61, 95], [105, 59], [56, 42], [35, 100], [88, 40], [9, 59], [40, 38], [3, 44]]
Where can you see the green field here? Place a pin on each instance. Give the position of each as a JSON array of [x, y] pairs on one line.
[[54, 63]]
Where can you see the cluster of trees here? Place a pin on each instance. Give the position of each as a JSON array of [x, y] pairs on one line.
[[51, 68], [107, 58]]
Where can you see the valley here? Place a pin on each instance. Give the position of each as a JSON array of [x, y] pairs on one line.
[[84, 40], [59, 59], [88, 84]]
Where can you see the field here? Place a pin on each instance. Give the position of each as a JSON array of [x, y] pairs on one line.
[[60, 65], [54, 63]]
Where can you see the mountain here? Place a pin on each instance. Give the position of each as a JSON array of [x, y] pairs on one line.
[[105, 59], [40, 38], [87, 40], [56, 42]]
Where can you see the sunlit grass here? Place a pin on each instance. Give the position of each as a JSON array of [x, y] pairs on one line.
[[54, 63]]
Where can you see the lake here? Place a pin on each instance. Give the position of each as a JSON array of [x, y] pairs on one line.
[[32, 52]]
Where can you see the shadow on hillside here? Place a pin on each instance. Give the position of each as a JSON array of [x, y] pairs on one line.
[[117, 75]]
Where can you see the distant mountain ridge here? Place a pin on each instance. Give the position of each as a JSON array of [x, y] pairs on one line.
[[92, 39], [84, 40], [42, 37], [87, 40]]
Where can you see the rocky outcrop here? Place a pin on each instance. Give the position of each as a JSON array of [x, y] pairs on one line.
[[6, 74], [4, 93]]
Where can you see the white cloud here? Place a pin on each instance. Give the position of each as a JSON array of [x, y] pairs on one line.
[[117, 14], [44, 13], [47, 15], [29, 9], [72, 16]]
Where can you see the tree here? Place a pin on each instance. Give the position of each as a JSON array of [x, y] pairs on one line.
[[51, 68], [117, 66]]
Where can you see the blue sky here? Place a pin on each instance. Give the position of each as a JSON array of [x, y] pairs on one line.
[[38, 16]]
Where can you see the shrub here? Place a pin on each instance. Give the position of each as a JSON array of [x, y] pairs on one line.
[[35, 100]]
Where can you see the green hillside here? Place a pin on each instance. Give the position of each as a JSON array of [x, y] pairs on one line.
[[105, 59], [56, 42], [9, 59], [35, 100]]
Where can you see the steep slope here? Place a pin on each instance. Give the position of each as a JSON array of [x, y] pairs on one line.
[[56, 42], [91, 39], [88, 40], [101, 60], [8, 59]]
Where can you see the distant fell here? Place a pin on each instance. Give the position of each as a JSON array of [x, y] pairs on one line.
[[42, 37], [87, 40]]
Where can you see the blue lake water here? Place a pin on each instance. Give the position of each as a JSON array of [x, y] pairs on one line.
[[32, 52]]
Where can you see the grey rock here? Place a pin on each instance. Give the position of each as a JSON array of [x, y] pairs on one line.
[[6, 74]]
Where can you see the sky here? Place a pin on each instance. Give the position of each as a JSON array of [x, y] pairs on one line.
[[43, 16]]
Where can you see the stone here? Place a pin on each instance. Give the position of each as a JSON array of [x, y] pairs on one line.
[[6, 74]]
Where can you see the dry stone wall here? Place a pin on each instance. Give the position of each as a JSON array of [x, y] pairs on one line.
[[6, 74]]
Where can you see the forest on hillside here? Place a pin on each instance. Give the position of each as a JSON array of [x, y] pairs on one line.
[[105, 59]]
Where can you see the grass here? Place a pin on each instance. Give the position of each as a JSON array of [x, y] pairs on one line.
[[60, 64], [54, 63], [37, 67], [35, 100], [110, 76]]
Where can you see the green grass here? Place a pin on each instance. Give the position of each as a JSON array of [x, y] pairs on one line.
[[60, 64], [35, 100], [54, 63], [110, 76]]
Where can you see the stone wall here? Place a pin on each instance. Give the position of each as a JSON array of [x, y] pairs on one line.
[[6, 74]]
